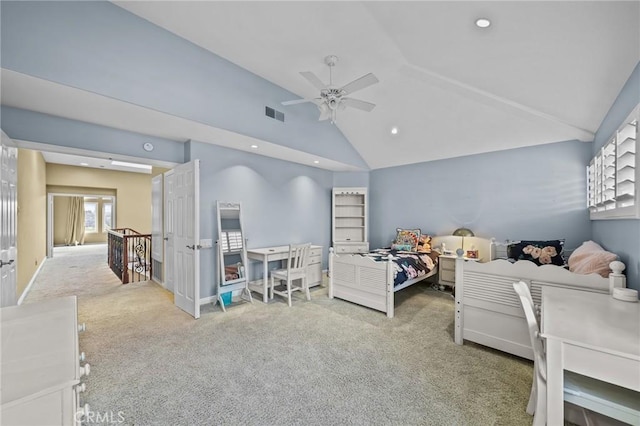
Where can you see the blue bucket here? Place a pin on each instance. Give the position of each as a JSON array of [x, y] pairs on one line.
[[226, 298]]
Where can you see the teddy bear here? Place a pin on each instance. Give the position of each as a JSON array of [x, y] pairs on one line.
[[424, 244]]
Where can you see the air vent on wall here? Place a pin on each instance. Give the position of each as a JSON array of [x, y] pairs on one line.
[[270, 112]]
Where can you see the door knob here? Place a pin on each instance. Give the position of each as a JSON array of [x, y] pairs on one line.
[[3, 263], [191, 247], [166, 238]]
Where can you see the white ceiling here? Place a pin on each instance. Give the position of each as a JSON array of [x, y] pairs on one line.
[[543, 72]]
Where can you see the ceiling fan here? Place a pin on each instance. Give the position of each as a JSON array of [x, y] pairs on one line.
[[334, 98]]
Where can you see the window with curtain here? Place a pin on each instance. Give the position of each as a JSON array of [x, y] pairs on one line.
[[612, 175], [75, 229]]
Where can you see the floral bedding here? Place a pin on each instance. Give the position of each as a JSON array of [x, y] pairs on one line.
[[407, 264]]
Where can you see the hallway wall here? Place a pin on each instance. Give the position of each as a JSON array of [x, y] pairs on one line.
[[32, 217], [132, 190], [60, 211]]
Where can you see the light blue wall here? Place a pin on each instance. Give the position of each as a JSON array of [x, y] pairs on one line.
[[282, 202], [621, 236], [528, 193], [351, 179], [42, 128], [99, 47]]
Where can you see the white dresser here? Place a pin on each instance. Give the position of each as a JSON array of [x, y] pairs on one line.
[[40, 364], [314, 269]]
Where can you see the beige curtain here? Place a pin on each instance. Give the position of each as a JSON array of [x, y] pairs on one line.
[[74, 234]]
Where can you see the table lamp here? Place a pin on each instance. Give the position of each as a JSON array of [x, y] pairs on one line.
[[462, 232]]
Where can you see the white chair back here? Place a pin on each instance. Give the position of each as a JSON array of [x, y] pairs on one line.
[[298, 256], [522, 290]]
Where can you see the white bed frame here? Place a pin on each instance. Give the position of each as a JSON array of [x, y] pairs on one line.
[[488, 311], [362, 280]]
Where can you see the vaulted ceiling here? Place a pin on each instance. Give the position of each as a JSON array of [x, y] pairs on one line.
[[542, 72]]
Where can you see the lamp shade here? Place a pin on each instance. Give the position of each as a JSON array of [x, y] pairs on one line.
[[463, 232]]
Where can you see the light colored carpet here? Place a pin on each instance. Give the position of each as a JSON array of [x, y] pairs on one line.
[[323, 362]]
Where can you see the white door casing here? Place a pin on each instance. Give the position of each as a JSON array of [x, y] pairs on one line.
[[50, 225], [8, 221], [156, 218], [186, 247], [169, 223]]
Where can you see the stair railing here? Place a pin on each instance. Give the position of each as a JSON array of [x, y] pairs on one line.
[[129, 254]]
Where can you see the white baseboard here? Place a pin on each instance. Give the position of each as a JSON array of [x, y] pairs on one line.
[[33, 279], [210, 299]]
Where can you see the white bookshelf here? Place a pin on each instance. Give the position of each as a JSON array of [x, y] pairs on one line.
[[350, 220]]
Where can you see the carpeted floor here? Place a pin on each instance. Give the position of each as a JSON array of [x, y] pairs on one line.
[[323, 362]]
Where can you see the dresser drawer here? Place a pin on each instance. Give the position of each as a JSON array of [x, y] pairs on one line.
[[447, 276], [351, 248], [447, 264], [315, 252], [314, 260]]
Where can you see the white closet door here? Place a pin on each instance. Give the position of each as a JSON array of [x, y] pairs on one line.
[[169, 224], [187, 238]]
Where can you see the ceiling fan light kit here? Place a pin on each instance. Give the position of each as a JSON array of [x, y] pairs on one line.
[[334, 98]]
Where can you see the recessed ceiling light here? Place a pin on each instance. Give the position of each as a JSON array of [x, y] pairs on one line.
[[254, 146], [316, 162], [84, 164], [394, 130], [483, 22]]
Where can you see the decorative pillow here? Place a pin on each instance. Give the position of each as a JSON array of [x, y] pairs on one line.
[[591, 258], [403, 247], [539, 252], [424, 244], [408, 237]]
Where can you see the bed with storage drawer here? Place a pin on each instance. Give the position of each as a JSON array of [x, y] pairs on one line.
[[373, 278]]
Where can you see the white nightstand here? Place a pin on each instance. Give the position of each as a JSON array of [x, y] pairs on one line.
[[447, 269]]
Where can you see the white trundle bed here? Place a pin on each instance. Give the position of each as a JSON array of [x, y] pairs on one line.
[[362, 280], [488, 312]]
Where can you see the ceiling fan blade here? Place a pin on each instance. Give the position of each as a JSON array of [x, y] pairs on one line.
[[356, 103], [360, 83], [313, 79], [297, 101]]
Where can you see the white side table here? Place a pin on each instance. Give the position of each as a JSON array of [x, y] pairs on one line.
[[447, 269]]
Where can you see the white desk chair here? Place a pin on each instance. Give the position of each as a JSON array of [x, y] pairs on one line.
[[590, 394], [297, 263]]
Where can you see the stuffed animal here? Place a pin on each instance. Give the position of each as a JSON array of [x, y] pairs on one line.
[[424, 244]]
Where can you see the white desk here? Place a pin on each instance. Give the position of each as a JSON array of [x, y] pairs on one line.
[[590, 334], [272, 254]]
